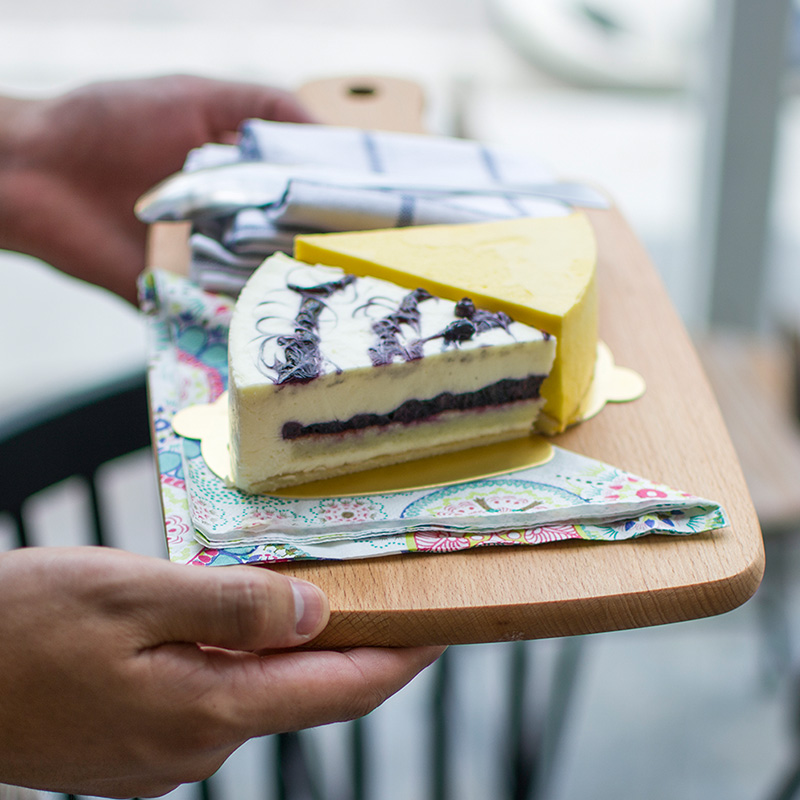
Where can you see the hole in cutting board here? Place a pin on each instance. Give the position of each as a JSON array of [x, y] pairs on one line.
[[362, 90]]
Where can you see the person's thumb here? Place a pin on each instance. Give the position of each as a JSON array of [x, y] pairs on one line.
[[238, 608]]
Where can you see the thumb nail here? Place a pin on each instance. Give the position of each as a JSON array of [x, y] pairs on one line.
[[310, 608]]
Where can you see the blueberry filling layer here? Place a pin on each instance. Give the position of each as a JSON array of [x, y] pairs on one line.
[[500, 393]]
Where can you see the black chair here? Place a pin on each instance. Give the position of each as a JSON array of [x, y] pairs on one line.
[[66, 430], [532, 720]]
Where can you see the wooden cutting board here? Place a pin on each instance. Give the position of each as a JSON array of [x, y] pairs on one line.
[[673, 435]]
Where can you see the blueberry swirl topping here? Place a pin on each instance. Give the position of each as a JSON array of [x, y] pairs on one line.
[[302, 358], [388, 330]]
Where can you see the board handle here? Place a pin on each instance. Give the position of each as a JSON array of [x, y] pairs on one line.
[[366, 101]]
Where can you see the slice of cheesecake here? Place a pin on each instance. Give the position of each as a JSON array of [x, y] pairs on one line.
[[539, 271], [332, 373]]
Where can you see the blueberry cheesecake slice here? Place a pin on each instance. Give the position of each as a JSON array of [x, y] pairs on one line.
[[332, 373]]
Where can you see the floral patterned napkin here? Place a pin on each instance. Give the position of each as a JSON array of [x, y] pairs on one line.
[[570, 497]]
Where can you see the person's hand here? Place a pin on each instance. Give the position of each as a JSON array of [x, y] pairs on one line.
[[125, 675], [72, 167]]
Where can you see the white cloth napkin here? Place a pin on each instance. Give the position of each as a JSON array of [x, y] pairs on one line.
[[226, 249]]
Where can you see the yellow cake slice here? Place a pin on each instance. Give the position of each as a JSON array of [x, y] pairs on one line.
[[540, 271]]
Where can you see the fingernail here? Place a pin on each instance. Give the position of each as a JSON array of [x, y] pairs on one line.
[[310, 608]]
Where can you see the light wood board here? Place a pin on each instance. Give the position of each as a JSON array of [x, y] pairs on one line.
[[673, 435]]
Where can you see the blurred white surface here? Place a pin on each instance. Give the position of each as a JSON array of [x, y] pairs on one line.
[[60, 335]]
